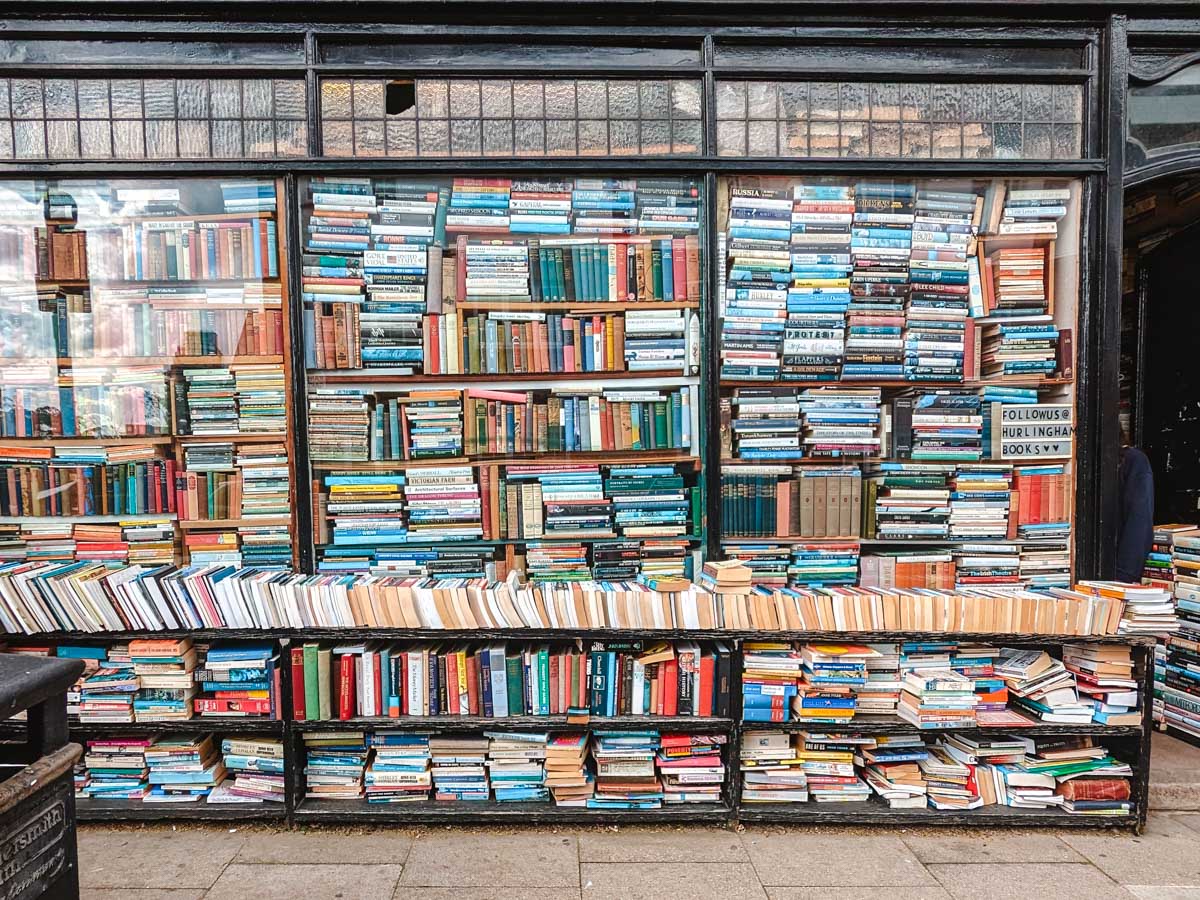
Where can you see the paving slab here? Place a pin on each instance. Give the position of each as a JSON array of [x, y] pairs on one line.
[[1045, 881], [166, 857], [655, 881], [928, 892], [1164, 854], [370, 847], [630, 845], [311, 882], [936, 845], [810, 858], [1163, 892], [1174, 774], [139, 894], [1191, 820], [404, 892], [470, 858]]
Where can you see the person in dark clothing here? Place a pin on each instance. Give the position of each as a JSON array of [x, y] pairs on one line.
[[1135, 521]]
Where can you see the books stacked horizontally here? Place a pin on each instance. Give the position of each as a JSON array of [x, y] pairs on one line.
[[823, 564], [626, 776], [183, 768], [334, 765], [107, 695], [766, 423], [892, 769], [443, 504], [399, 768], [658, 339], [116, 768], [770, 772], [828, 764], [1104, 674], [1021, 349], [516, 766], [937, 698], [908, 501], [255, 766], [980, 564], [949, 783], [1040, 686], [832, 675], [771, 678], [1177, 690], [392, 329], [881, 244], [979, 502], [458, 767], [1147, 609], [842, 421], [880, 693], [946, 426], [166, 683], [691, 767], [567, 775], [239, 680]]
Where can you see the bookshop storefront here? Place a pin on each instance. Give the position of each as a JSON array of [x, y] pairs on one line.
[[294, 310]]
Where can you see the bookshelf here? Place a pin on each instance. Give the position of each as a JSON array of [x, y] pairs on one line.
[[503, 374], [145, 372], [896, 377]]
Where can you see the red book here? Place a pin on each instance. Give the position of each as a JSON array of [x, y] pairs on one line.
[[554, 710], [346, 686], [670, 687], [214, 705], [1094, 789], [708, 671], [403, 686], [276, 692], [679, 270], [298, 711], [452, 684]]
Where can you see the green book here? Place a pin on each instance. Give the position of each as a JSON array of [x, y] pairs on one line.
[[439, 216], [660, 425], [473, 365], [310, 686], [514, 667], [657, 277], [697, 510]]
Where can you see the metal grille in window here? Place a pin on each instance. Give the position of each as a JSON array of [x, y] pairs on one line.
[[152, 118], [943, 121], [503, 117]]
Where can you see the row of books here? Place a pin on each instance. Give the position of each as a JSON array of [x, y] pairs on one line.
[[148, 541], [345, 427], [1173, 566], [38, 598], [632, 678], [238, 399], [1078, 775], [596, 770], [200, 768], [933, 685]]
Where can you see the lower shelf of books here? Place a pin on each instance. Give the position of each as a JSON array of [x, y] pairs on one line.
[[421, 724], [139, 811], [864, 725], [439, 811], [873, 813]]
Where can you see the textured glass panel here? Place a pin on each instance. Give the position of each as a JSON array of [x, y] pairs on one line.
[[885, 103], [977, 140], [1006, 102], [623, 136], [62, 139], [1038, 141], [29, 138], [854, 140], [947, 141], [368, 137], [433, 101], [592, 100], [560, 137], [593, 137], [1068, 103], [731, 100], [497, 99], [762, 100], [368, 99], [685, 100], [854, 102], [259, 137], [93, 99], [686, 137], [60, 98], [656, 137], [823, 100], [793, 102], [762, 139], [622, 100], [291, 138], [529, 137], [655, 100], [731, 138], [289, 99], [226, 138], [914, 103], [1067, 141], [433, 138], [257, 98], [498, 138], [560, 100], [159, 97], [6, 140], [160, 140], [194, 138], [885, 138], [95, 139], [5, 106], [126, 99], [945, 103], [976, 102], [529, 100], [401, 137], [193, 98], [27, 102], [129, 139], [335, 100], [1039, 102], [823, 139], [914, 139], [465, 137], [1008, 140], [225, 98], [793, 138], [464, 99], [337, 138]]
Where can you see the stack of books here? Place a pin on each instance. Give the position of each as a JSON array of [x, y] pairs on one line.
[[108, 694], [1040, 686], [255, 766], [116, 768], [691, 767], [339, 424], [880, 245], [458, 767], [540, 206], [239, 680], [1104, 674], [949, 784], [841, 421], [1042, 502], [1021, 349], [771, 678], [392, 330], [1147, 609], [908, 501], [832, 675], [261, 399], [626, 777], [399, 768], [980, 564], [443, 504], [766, 423], [979, 502], [516, 766], [1177, 690], [183, 768], [658, 340], [770, 771], [366, 510], [937, 698], [567, 775], [823, 564], [166, 683], [334, 765], [893, 770], [879, 694], [828, 764], [946, 426]]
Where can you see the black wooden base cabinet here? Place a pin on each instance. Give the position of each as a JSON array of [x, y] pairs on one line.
[[1129, 743]]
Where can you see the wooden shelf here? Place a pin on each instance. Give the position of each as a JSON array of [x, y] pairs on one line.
[[237, 437], [875, 812], [898, 542], [571, 305], [896, 725], [808, 461], [142, 282], [133, 517], [91, 441], [200, 524], [509, 542], [377, 376], [163, 361], [899, 383], [90, 810], [451, 812], [630, 457]]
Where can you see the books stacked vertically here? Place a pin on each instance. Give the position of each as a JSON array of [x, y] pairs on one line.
[[756, 286], [495, 270], [165, 673], [1105, 675], [366, 510], [906, 569], [832, 675], [239, 680], [937, 698], [770, 773], [766, 423], [183, 768], [1158, 568], [342, 207], [334, 764], [1045, 566], [116, 767], [209, 402], [841, 421], [248, 196], [1043, 502], [828, 764], [1041, 686], [458, 767], [256, 769], [726, 577], [666, 206], [768, 563], [881, 244], [772, 673], [261, 404], [540, 206], [908, 501], [691, 767], [479, 206], [979, 501], [625, 770], [658, 339], [392, 330], [516, 766], [1177, 658], [567, 775]]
